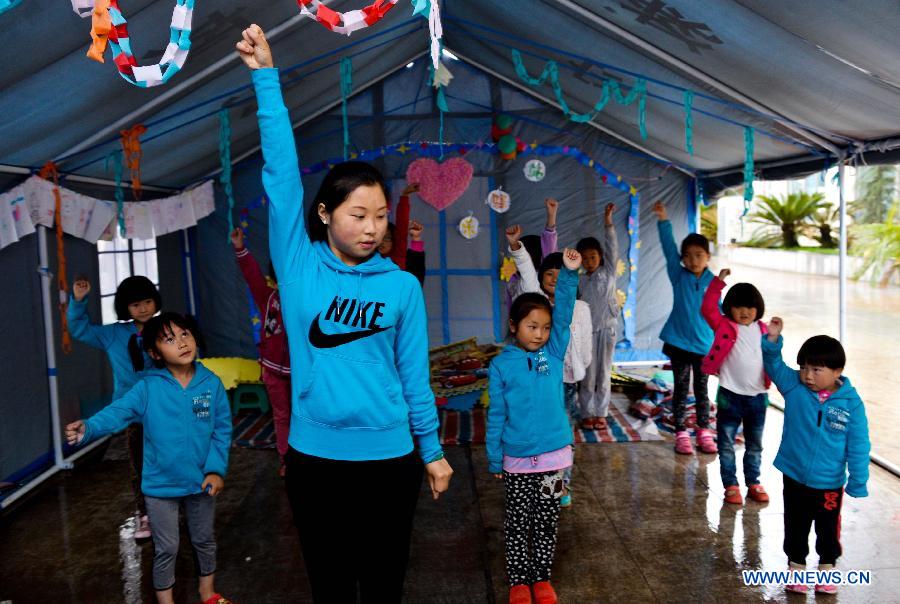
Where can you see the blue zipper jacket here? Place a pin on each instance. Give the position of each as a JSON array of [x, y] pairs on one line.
[[358, 332], [685, 328], [112, 339], [820, 440], [187, 431], [527, 414]]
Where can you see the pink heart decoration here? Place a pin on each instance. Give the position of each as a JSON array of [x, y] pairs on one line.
[[440, 184]]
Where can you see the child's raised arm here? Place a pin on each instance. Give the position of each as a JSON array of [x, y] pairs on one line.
[[566, 290], [522, 259], [98, 336], [610, 243], [549, 236], [288, 241], [710, 307], [415, 255], [784, 377], [667, 239]]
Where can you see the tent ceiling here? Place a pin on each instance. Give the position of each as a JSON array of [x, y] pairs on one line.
[[826, 74]]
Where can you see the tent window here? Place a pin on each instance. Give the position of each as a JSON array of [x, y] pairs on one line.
[[121, 258]]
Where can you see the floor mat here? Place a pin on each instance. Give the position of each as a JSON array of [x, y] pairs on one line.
[[253, 430]]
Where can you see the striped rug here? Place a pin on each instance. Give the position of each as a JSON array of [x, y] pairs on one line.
[[253, 430]]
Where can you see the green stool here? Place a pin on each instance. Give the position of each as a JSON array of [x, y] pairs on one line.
[[249, 396]]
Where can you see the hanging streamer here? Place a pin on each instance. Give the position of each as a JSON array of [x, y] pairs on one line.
[[6, 5], [131, 147], [348, 22], [50, 172], [119, 170], [119, 41], [435, 32], [611, 89], [346, 91], [748, 168], [689, 121], [225, 160]]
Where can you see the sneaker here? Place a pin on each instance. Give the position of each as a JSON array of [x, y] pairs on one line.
[[282, 469], [544, 593], [705, 441], [683, 443], [826, 589], [733, 495], [566, 500], [143, 528], [600, 423], [588, 423], [756, 492], [797, 588], [217, 599], [519, 594]]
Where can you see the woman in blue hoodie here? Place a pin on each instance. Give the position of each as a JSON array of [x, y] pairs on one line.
[[528, 432], [356, 327], [187, 433], [825, 434]]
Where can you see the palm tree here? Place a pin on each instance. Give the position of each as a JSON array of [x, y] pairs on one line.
[[787, 213], [875, 188], [879, 245], [709, 222], [821, 224]]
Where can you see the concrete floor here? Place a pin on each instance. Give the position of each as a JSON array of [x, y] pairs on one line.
[[646, 526], [809, 306]]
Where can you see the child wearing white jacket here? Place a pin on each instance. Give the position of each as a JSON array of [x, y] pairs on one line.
[[579, 350]]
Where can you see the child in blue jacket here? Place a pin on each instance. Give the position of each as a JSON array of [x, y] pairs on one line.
[[135, 302], [686, 336], [825, 434], [528, 433], [187, 433]]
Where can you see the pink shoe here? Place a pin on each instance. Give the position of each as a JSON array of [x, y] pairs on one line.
[[143, 528], [683, 443], [705, 441], [826, 589], [799, 588]]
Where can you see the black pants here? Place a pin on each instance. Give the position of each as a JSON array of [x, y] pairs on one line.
[[683, 363], [532, 517], [135, 436], [354, 519], [804, 505]]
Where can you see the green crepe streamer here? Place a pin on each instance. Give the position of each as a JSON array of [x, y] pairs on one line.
[[225, 160], [346, 90], [119, 167], [748, 167], [689, 121]]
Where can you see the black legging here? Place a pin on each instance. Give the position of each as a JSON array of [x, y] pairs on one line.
[[683, 362], [354, 519]]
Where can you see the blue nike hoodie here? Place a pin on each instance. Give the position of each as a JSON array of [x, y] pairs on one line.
[[527, 414], [187, 431], [686, 328], [112, 339], [820, 441], [359, 333]]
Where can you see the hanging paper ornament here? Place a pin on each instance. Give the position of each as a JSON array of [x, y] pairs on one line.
[[131, 147], [498, 200], [108, 25], [468, 227], [348, 22], [508, 269], [440, 184], [508, 146], [442, 76], [535, 170]]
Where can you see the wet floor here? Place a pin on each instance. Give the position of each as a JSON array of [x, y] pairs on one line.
[[646, 526], [809, 306]]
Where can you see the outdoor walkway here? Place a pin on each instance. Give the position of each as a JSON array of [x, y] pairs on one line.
[[646, 526]]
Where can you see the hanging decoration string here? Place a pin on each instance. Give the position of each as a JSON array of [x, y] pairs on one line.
[[348, 22], [435, 32], [440, 78], [6, 5], [50, 172], [131, 148], [611, 89], [112, 28], [748, 168], [346, 91], [119, 169], [225, 160], [689, 121]]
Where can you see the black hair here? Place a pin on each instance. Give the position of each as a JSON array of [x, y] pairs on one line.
[[165, 323], [525, 303], [392, 229], [553, 261], [695, 240], [532, 245], [746, 295], [822, 351], [134, 289], [339, 183], [588, 243]]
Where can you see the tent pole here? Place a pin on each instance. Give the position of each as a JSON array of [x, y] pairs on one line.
[[50, 347], [842, 262], [546, 100], [8, 169], [188, 272], [799, 134]]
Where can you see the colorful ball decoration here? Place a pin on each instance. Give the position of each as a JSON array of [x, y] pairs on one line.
[[508, 146], [468, 227], [503, 125], [535, 170], [498, 200]]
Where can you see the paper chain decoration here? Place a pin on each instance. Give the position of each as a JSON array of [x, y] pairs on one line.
[[109, 25]]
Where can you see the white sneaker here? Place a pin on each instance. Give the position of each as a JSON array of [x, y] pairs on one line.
[[143, 529]]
